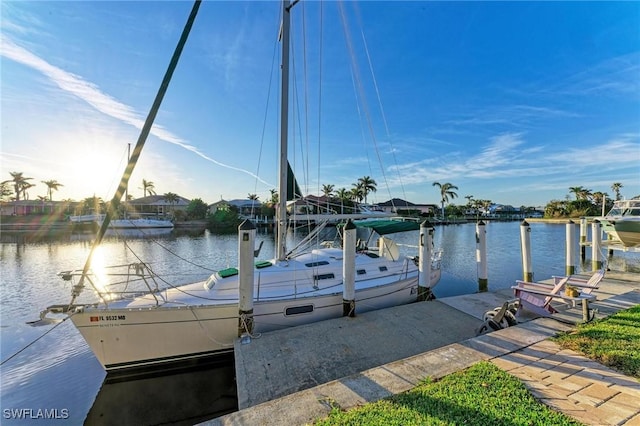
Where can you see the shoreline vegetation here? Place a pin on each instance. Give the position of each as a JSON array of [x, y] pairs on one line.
[[45, 222]]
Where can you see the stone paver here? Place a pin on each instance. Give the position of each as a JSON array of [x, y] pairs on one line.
[[562, 379]]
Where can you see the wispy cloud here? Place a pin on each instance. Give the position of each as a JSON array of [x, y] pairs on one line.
[[91, 94], [508, 156], [516, 115], [617, 75]]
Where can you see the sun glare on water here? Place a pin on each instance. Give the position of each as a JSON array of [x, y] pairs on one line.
[[99, 275]]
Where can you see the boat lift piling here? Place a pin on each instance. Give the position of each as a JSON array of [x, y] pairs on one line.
[[246, 247], [348, 270], [596, 245], [481, 256], [570, 248], [583, 238], [424, 261], [525, 244]]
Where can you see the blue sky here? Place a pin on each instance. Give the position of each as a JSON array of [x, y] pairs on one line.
[[513, 102]]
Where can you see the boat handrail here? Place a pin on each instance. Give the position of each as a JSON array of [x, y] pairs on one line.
[[139, 280]]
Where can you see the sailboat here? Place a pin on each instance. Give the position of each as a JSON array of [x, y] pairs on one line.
[[128, 329]]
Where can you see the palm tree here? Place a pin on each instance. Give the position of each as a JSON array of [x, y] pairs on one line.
[[446, 192], [327, 190], [576, 190], [368, 185], [357, 192], [616, 188], [92, 205], [42, 199], [580, 192], [20, 184], [52, 185], [148, 186], [274, 198], [343, 195], [253, 197], [171, 198], [600, 198], [25, 187]]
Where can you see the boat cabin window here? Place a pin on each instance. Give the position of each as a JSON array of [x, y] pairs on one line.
[[323, 277], [296, 310], [318, 263], [361, 271], [382, 268], [208, 285]]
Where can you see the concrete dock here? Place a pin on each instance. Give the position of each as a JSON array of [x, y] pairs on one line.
[[289, 376]]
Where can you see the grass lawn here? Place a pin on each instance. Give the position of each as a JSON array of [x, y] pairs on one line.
[[485, 395], [613, 341]]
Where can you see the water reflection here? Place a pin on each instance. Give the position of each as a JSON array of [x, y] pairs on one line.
[[185, 396], [59, 371]]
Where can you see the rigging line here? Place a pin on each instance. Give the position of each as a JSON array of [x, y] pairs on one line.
[[384, 117], [378, 97], [173, 253], [33, 342], [181, 257], [266, 107], [146, 129], [363, 97], [305, 80], [320, 85], [361, 120]]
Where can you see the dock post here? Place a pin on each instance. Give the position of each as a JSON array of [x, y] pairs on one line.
[[424, 261], [246, 243], [349, 270], [596, 246], [570, 249], [481, 256], [525, 245], [583, 238]]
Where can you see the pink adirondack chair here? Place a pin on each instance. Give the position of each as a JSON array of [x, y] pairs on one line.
[[537, 299]]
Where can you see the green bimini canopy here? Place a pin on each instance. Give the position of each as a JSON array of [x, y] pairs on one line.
[[384, 227]]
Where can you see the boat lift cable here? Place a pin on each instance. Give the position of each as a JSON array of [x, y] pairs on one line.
[[146, 129]]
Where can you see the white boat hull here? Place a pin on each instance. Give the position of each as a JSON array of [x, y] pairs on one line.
[[622, 223], [139, 337]]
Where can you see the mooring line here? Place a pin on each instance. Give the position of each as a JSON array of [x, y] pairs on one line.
[[32, 343]]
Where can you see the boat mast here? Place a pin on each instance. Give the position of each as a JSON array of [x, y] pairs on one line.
[[142, 138], [281, 226]]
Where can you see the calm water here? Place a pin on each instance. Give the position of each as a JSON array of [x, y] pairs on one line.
[[59, 374]]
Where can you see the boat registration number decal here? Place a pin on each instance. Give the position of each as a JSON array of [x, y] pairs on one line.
[[107, 318]]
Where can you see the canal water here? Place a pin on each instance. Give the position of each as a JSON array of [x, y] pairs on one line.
[[49, 376]]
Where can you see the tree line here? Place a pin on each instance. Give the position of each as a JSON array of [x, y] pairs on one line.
[[586, 202]]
